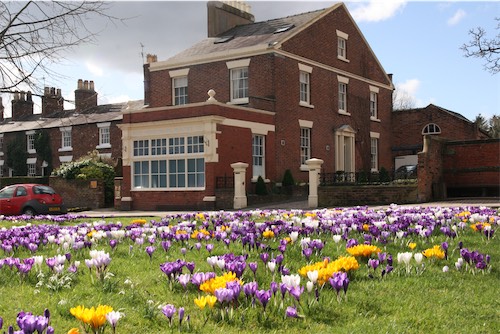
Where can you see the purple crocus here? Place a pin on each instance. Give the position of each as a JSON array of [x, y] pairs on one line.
[[291, 312], [250, 288], [263, 296], [181, 315], [307, 252], [264, 257], [150, 250], [296, 291], [169, 311], [253, 267], [209, 247], [113, 243], [373, 263], [184, 279]]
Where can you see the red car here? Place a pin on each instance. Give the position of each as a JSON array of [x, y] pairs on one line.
[[30, 199]]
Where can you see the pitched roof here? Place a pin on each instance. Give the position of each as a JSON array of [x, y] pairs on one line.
[[98, 114], [433, 106], [264, 33]]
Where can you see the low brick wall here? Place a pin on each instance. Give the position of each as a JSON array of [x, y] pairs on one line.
[[79, 193], [333, 196]]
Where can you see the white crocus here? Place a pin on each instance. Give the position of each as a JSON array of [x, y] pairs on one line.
[[418, 257], [313, 276], [337, 238], [272, 266], [294, 236]]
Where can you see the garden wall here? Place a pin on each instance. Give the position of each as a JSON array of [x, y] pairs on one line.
[[80, 193], [334, 196]]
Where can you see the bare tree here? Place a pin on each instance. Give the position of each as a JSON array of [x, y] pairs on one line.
[[35, 34], [481, 47], [402, 100]]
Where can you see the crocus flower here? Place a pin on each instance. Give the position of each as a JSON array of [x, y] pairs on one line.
[[150, 250], [113, 317], [169, 311], [263, 296], [181, 315], [209, 247], [291, 312], [253, 266]]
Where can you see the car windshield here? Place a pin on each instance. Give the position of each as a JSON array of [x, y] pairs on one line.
[[7, 192], [43, 190]]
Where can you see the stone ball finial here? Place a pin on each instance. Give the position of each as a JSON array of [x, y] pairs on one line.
[[211, 94]]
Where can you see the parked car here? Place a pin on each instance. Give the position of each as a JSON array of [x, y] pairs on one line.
[[406, 172], [30, 199]]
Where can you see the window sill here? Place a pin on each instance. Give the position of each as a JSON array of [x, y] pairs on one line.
[[343, 59], [99, 147], [305, 104], [31, 151], [342, 112], [65, 149], [239, 101], [167, 189], [374, 119], [304, 168]]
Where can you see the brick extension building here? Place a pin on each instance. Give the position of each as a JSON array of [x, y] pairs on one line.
[[73, 133], [409, 127], [281, 91]]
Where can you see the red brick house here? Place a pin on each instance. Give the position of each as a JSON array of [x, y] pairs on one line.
[[411, 125], [73, 133], [281, 92]]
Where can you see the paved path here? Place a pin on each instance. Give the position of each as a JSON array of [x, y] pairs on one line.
[[297, 205]]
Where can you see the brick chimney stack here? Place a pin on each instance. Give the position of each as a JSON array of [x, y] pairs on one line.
[[1, 110], [85, 95], [150, 58], [224, 15], [52, 101], [22, 105]]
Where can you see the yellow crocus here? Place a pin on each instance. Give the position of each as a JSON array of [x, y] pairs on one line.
[[201, 302], [74, 331], [211, 300], [412, 245]]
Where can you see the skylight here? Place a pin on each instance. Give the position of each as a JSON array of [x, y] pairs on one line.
[[223, 39], [284, 28]]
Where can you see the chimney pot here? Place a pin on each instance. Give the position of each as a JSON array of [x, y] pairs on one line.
[[58, 92], [23, 95], [86, 85], [80, 84], [91, 85], [46, 91], [52, 91], [28, 96]]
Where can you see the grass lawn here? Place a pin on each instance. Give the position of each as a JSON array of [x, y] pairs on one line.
[[143, 267]]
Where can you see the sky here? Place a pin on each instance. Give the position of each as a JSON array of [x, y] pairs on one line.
[[416, 41]]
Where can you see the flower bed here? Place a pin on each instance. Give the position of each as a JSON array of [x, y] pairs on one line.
[[242, 271]]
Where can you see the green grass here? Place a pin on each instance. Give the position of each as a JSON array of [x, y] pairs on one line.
[[430, 302]]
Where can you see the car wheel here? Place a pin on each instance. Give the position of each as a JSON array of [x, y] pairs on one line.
[[29, 211]]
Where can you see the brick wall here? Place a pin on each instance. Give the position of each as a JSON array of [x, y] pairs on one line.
[[366, 195], [79, 193]]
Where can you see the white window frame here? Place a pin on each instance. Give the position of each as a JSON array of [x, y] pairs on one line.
[[31, 164], [66, 140], [342, 38], [431, 129], [343, 84], [258, 156], [180, 165], [374, 103], [374, 151], [102, 128], [305, 85], [178, 77], [30, 142], [236, 67]]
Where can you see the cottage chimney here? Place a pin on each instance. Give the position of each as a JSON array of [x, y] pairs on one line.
[[22, 105], [52, 101], [150, 58], [85, 95], [224, 15], [1, 110]]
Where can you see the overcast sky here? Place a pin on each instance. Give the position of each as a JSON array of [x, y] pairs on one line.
[[418, 42]]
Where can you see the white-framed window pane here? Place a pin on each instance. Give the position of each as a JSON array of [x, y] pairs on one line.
[[341, 47], [180, 90], [304, 87], [31, 169], [141, 174], [66, 138], [258, 156], [431, 129], [159, 146], [159, 174], [141, 148], [195, 144], [373, 104], [374, 154], [177, 173], [342, 96], [239, 83], [30, 140], [196, 172], [305, 145], [176, 145], [104, 136]]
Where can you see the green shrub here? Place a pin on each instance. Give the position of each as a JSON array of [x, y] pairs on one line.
[[260, 186], [90, 167], [384, 175], [288, 179]]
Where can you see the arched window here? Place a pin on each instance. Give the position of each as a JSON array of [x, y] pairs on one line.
[[431, 129]]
